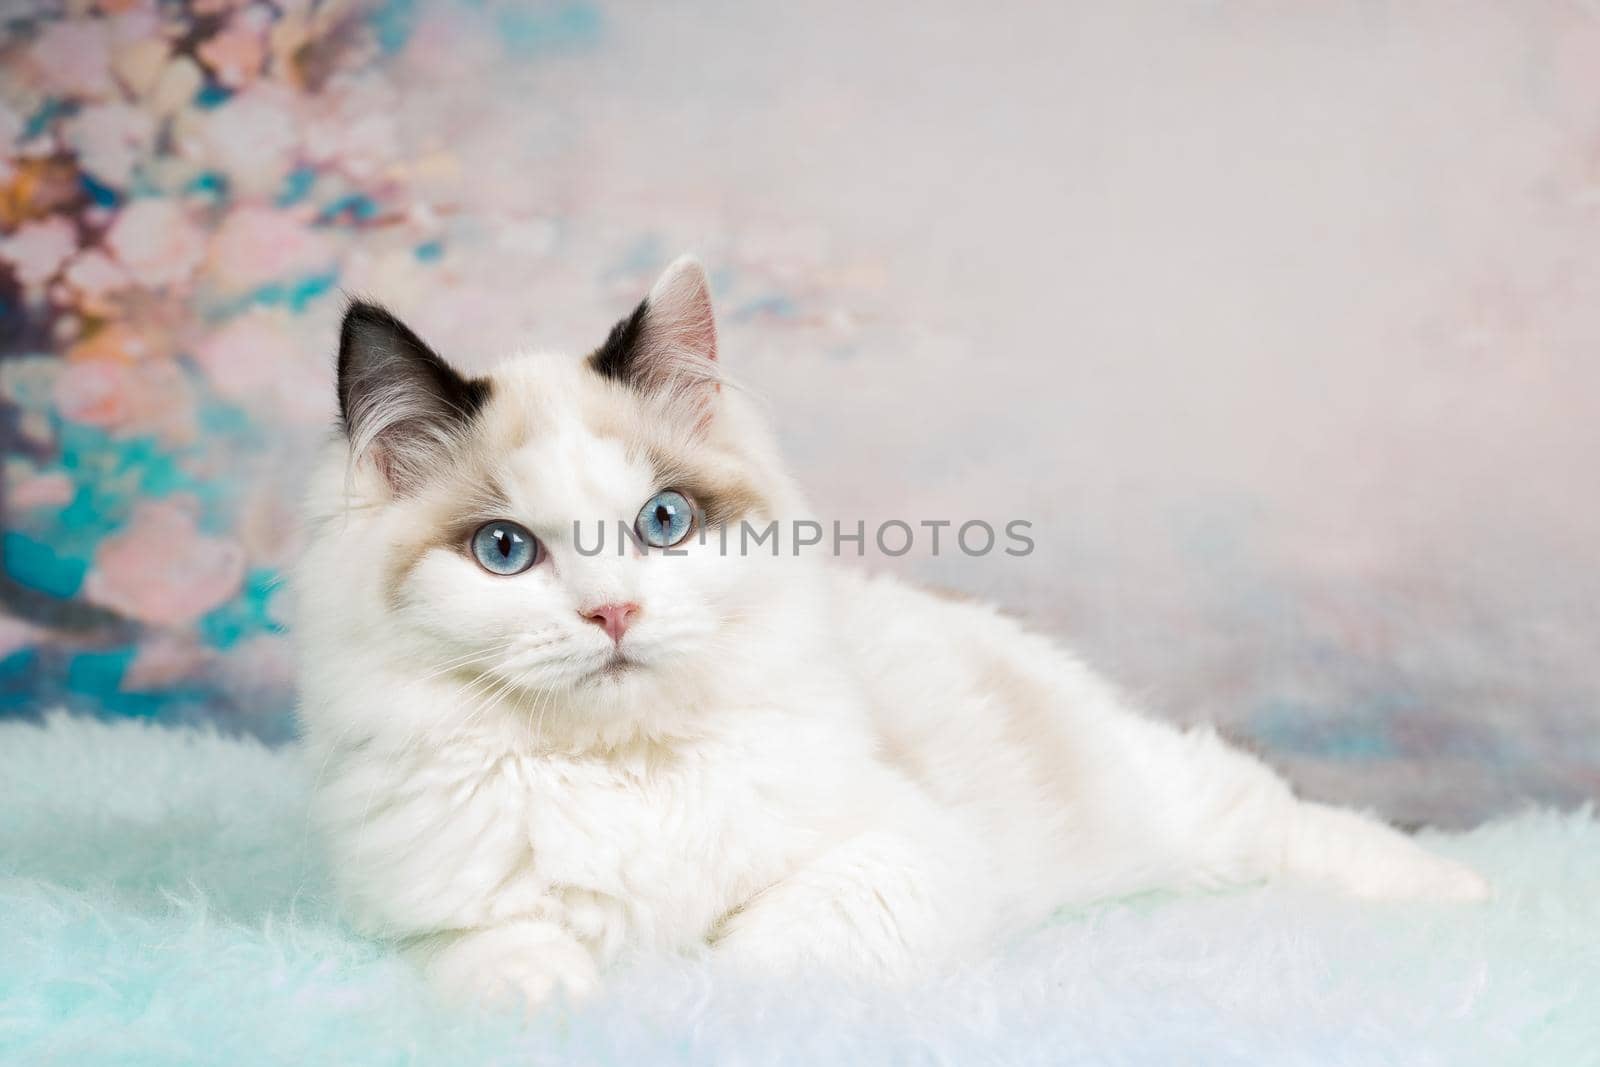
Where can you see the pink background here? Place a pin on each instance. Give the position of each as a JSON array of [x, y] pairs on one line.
[[1279, 321]]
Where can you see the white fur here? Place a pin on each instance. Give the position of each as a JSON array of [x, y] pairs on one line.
[[810, 768]]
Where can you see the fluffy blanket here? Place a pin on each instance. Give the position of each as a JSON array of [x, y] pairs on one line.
[[160, 903]]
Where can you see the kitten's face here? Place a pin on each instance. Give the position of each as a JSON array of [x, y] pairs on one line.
[[488, 488]]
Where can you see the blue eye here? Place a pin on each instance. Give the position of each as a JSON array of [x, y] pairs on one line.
[[665, 519], [502, 547]]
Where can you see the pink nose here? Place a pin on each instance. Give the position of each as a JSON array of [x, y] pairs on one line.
[[614, 618]]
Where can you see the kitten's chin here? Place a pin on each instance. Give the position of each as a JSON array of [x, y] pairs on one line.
[[618, 670], [613, 698], [611, 686]]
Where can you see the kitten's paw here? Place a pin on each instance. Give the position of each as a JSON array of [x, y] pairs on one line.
[[792, 933], [518, 965]]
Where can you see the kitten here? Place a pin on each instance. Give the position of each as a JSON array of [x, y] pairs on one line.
[[531, 758]]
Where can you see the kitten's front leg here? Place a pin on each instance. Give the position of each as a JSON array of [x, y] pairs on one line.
[[880, 906], [520, 962]]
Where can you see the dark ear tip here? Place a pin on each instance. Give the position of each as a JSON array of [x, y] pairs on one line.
[[380, 356], [360, 313], [364, 323]]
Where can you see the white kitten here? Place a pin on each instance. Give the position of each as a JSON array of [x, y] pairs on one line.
[[530, 757]]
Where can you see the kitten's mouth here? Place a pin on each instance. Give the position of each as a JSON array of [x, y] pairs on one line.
[[618, 665]]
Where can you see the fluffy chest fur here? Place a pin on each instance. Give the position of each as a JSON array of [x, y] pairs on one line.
[[650, 843]]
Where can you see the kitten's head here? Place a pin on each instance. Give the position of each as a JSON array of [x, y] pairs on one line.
[[458, 533]]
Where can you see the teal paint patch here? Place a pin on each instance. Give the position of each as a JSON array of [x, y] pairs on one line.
[[267, 295], [51, 109], [218, 418], [100, 673], [159, 472], [392, 24], [208, 183], [99, 193], [429, 251], [117, 468], [111, 475], [96, 680], [353, 208], [19, 684], [306, 291], [212, 95], [295, 295], [81, 525], [246, 615], [297, 186], [1303, 730], [528, 31], [41, 566]]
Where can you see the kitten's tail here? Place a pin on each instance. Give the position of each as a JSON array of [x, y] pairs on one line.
[[1366, 858], [1239, 822]]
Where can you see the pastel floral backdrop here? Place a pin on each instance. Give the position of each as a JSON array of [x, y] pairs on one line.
[[1279, 322]]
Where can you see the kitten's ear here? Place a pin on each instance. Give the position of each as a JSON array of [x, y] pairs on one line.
[[399, 402], [669, 343]]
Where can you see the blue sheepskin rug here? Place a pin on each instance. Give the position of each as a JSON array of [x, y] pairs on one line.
[[161, 903]]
